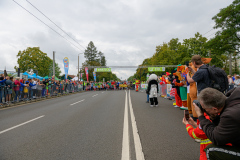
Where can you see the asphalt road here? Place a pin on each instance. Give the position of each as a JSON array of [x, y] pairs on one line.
[[95, 126]]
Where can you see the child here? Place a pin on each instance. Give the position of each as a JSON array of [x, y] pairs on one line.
[[197, 133]]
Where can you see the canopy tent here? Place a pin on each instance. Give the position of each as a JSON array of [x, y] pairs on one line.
[[30, 77], [39, 77], [25, 73], [46, 77], [75, 78], [57, 79], [63, 77], [34, 75]]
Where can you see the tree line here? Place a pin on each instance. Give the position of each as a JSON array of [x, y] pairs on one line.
[[223, 48]]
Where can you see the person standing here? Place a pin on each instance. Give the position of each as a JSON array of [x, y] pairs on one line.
[[152, 90], [201, 76], [16, 88], [8, 84], [237, 81], [230, 82]]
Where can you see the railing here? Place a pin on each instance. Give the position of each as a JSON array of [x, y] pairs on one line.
[[10, 96]]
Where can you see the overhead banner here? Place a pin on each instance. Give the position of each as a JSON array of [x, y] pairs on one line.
[[94, 76], [66, 66], [156, 69], [102, 69], [86, 71]]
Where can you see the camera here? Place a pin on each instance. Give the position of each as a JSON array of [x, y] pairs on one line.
[[187, 63], [198, 104]]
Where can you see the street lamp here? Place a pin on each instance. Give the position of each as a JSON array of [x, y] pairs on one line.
[[78, 67]]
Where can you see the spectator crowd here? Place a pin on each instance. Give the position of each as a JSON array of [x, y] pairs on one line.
[[13, 90]]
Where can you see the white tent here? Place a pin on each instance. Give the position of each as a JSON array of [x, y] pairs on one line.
[[75, 78]]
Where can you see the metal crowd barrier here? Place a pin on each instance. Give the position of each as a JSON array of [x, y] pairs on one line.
[[28, 94]]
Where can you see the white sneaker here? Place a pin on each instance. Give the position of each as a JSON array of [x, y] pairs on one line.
[[156, 105], [176, 106], [184, 108], [151, 105]]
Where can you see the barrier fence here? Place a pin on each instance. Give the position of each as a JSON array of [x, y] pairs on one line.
[[165, 90], [28, 93]]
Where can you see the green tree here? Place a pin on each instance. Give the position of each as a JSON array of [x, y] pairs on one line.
[[91, 53], [227, 38], [228, 20], [33, 59], [95, 58]]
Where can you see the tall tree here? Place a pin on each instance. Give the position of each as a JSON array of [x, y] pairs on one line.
[[227, 20], [95, 58], [34, 59], [228, 37], [91, 53]]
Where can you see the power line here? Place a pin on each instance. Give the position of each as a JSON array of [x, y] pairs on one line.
[[46, 24], [211, 34], [208, 31], [55, 24]]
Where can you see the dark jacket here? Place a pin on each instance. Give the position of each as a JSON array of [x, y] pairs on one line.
[[227, 128]]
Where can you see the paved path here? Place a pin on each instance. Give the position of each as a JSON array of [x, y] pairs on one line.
[[90, 126]]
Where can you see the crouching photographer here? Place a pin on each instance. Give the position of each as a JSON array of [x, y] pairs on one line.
[[224, 127]]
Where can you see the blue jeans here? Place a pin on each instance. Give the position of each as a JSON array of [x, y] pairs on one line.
[[16, 92], [43, 92], [1, 95], [148, 97]]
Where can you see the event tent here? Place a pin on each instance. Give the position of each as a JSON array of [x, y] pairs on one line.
[[75, 78]]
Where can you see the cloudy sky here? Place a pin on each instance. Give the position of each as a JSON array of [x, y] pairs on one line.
[[126, 31]]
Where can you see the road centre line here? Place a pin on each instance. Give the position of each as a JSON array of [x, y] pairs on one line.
[[125, 141], [21, 124], [137, 141], [77, 102]]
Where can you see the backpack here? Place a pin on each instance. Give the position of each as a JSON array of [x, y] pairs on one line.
[[153, 90], [218, 78]]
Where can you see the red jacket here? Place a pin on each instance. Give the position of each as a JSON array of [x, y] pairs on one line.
[[17, 83], [198, 133]]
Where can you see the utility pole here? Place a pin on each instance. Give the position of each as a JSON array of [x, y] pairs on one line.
[[78, 68], [210, 57], [54, 63]]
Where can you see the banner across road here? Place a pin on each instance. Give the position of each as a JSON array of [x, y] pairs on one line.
[[102, 69]]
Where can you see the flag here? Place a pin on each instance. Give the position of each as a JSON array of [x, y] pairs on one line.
[[94, 75], [86, 71], [66, 66]]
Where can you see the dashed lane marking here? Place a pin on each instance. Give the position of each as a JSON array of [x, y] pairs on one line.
[[77, 102]]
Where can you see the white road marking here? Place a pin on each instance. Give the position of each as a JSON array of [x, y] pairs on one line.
[[125, 141], [21, 124], [94, 95], [137, 141], [77, 102]]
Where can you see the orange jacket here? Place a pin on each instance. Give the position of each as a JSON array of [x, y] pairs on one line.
[[198, 133]]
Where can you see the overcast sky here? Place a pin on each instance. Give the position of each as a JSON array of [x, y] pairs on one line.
[[126, 31]]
